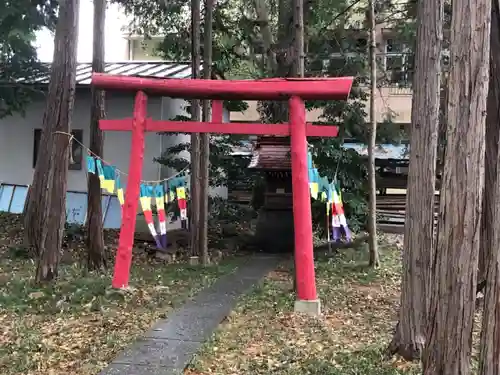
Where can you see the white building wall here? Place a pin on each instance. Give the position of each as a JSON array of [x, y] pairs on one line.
[[17, 138]]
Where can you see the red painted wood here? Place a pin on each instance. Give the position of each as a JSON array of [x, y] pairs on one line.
[[129, 212], [304, 257], [219, 128], [264, 89], [123, 125]]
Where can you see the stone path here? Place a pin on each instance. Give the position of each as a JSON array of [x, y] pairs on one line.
[[170, 345]]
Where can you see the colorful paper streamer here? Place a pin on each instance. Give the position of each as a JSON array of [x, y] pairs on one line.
[[109, 174], [100, 171], [181, 202], [327, 191], [160, 208], [91, 164], [146, 194]]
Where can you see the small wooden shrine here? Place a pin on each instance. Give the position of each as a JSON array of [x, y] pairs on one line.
[[274, 232]]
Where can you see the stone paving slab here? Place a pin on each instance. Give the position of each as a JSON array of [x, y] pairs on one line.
[[171, 343], [124, 369], [152, 352]]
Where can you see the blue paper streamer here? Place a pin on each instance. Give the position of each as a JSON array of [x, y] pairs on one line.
[[144, 190], [100, 170], [158, 191], [150, 191], [109, 172], [91, 164]]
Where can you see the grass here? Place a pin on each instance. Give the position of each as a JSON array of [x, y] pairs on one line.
[[263, 336], [78, 324]]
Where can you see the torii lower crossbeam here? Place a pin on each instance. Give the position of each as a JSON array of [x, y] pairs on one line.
[[294, 90], [218, 128]]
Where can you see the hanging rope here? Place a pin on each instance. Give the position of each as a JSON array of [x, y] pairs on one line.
[[89, 152]]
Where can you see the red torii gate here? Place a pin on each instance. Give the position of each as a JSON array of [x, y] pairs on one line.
[[295, 90]]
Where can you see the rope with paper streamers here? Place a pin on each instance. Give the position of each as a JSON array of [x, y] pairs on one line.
[[329, 192], [164, 191], [104, 162]]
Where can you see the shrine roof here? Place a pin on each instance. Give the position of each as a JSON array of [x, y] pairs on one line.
[[271, 153], [150, 69]]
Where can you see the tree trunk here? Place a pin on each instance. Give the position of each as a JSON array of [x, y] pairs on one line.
[[205, 137], [46, 208], [96, 258], [195, 137], [492, 139], [265, 30], [372, 205], [283, 58], [299, 38], [490, 342], [409, 338], [456, 258]]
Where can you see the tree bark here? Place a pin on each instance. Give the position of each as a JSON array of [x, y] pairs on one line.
[[195, 137], [46, 208], [96, 258], [490, 243], [265, 29], [409, 338], [205, 137], [451, 315], [492, 139], [299, 38], [372, 136], [283, 58]]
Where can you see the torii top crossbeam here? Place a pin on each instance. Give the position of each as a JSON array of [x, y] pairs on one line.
[[262, 89]]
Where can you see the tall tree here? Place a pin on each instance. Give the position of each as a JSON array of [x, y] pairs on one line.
[[299, 38], [372, 138], [195, 196], [96, 258], [492, 138], [205, 137], [490, 240], [46, 209], [409, 338], [451, 314]]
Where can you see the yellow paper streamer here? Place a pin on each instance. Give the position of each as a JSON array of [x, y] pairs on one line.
[[146, 203], [181, 193], [314, 190], [120, 196]]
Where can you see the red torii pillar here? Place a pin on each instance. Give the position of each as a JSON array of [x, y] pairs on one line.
[[295, 90]]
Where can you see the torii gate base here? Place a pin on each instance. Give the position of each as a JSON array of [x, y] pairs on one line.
[[295, 90]]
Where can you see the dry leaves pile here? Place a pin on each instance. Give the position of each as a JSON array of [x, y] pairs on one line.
[[79, 324], [263, 336]]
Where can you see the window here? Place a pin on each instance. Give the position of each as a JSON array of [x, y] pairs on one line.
[[393, 46], [361, 44], [398, 63], [76, 156]]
